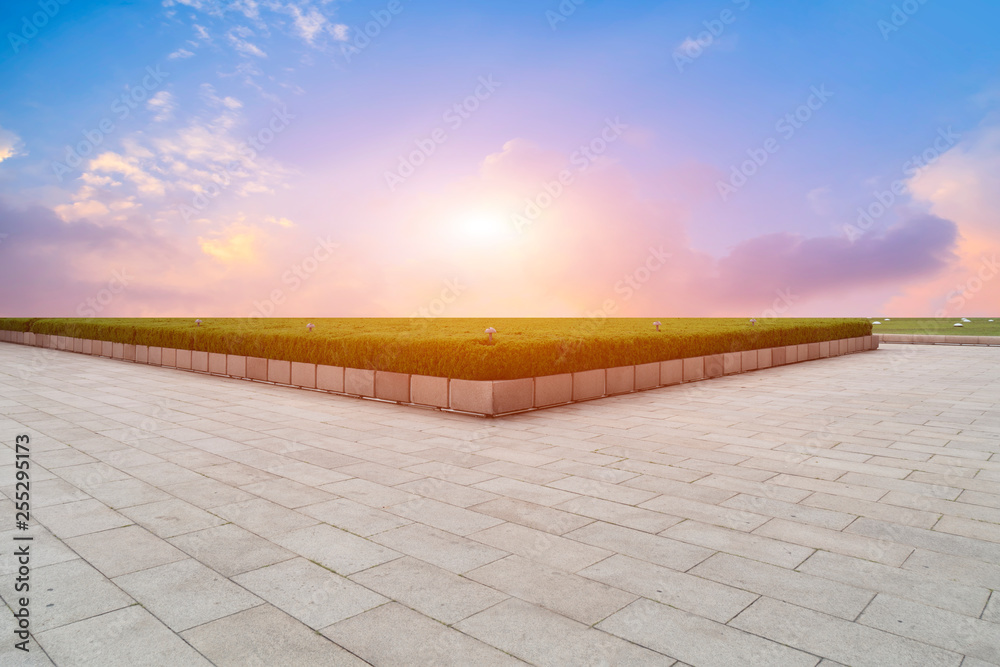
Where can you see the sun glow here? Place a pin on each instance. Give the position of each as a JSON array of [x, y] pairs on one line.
[[483, 227]]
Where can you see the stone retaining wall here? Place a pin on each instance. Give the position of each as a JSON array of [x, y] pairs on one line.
[[481, 397], [915, 339]]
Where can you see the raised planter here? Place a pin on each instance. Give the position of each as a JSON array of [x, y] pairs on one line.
[[914, 339], [480, 397]]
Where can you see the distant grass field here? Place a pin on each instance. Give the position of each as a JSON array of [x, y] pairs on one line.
[[931, 326], [457, 348]]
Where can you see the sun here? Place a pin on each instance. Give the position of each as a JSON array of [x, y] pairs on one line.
[[482, 227]]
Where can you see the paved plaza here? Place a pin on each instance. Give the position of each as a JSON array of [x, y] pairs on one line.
[[841, 511]]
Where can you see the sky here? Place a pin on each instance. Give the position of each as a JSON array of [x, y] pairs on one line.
[[391, 158]]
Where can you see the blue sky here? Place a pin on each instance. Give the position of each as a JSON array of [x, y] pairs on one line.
[[893, 76]]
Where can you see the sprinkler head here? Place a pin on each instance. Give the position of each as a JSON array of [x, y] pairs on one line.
[[489, 332], [657, 325], [197, 323], [310, 326]]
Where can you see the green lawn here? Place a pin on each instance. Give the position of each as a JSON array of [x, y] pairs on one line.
[[931, 326], [457, 348]]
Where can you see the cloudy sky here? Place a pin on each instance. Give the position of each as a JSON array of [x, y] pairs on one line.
[[524, 158]]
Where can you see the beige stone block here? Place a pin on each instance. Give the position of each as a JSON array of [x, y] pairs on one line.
[[129, 354], [553, 389], [199, 361], [236, 365], [257, 368], [764, 358], [812, 351], [279, 372], [715, 365], [791, 354], [956, 340], [392, 386], [694, 368], [779, 356], [427, 390], [184, 359], [620, 380], [87, 346], [142, 354], [217, 363], [589, 384], [647, 376], [29, 338], [732, 363], [107, 348], [78, 345], [303, 375], [824, 349], [331, 378], [513, 395], [155, 356], [359, 382], [117, 350], [748, 360], [672, 372], [168, 357], [803, 354], [474, 396]]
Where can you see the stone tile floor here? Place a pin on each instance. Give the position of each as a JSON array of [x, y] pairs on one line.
[[844, 511]]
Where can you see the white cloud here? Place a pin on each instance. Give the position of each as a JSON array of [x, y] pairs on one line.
[[308, 22], [10, 145], [281, 222], [237, 37], [180, 54], [340, 32], [162, 105]]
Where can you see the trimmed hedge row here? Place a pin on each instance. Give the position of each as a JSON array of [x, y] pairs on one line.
[[456, 348]]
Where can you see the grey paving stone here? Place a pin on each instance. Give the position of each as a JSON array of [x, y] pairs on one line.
[[444, 516], [375, 637], [46, 549], [124, 638], [369, 493], [169, 518], [186, 593], [336, 549], [431, 590], [446, 550], [703, 597], [652, 548], [696, 640], [127, 493], [207, 493], [568, 594], [926, 539], [826, 595], [539, 517], [541, 547], [123, 550], [750, 545], [960, 569], [79, 518], [50, 492], [946, 629], [354, 517], [70, 591], [617, 513], [542, 637], [10, 654], [791, 511], [230, 550], [312, 594], [265, 636], [708, 513], [846, 543], [532, 493], [263, 517], [447, 492], [288, 493], [604, 490], [843, 641]]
